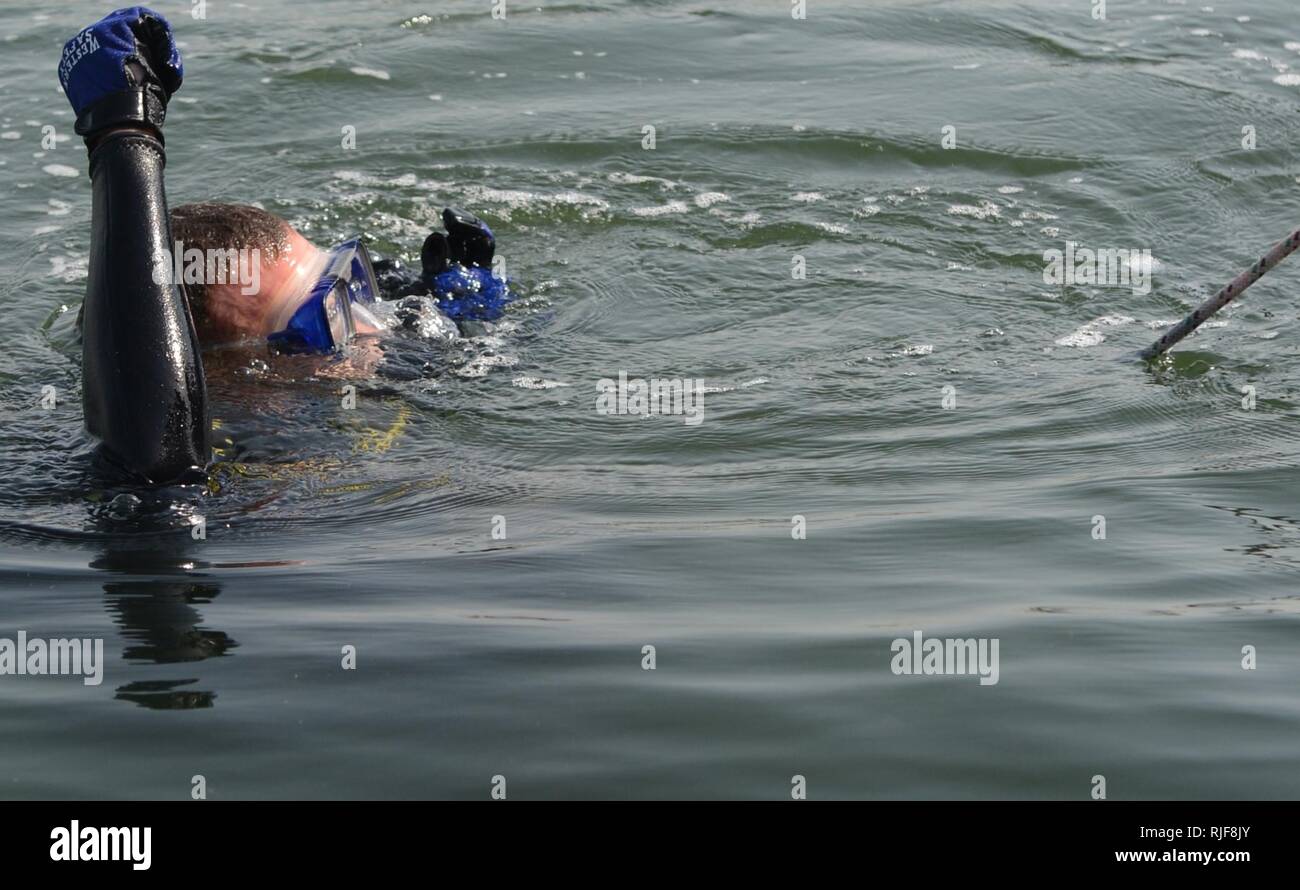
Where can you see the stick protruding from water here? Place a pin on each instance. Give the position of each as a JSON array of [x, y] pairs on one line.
[[1234, 289]]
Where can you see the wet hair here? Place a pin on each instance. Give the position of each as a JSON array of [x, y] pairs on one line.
[[215, 226]]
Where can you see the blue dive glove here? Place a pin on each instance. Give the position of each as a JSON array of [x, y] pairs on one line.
[[121, 70], [470, 293], [457, 268]]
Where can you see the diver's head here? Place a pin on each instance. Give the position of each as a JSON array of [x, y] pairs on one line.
[[244, 270]]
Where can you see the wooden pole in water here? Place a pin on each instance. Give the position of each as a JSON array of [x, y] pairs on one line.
[[1234, 289]]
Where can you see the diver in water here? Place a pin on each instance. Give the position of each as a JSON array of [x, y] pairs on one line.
[[147, 312]]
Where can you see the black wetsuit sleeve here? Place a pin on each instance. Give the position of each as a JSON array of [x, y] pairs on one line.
[[143, 390]]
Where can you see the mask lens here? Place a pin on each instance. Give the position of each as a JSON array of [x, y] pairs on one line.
[[338, 313], [362, 278]]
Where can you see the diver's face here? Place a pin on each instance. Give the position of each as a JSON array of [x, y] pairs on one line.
[[236, 315], [247, 310], [288, 278]]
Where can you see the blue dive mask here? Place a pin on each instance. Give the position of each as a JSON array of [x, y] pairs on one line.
[[326, 318]]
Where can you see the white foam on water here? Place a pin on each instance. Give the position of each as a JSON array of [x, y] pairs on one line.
[[1081, 339], [68, 268], [1287, 80], [867, 211], [517, 199], [480, 365], [1251, 54], [357, 177], [808, 197], [11, 134], [634, 179], [708, 199], [378, 73], [985, 210], [60, 170], [918, 349], [525, 382], [1089, 334], [661, 210], [1010, 189]]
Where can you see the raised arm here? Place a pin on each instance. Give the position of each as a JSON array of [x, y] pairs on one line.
[[143, 391]]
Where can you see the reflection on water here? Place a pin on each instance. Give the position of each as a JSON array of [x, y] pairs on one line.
[[161, 623], [1280, 534]]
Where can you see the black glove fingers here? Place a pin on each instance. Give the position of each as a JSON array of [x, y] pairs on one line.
[[470, 239], [153, 47], [434, 254]]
